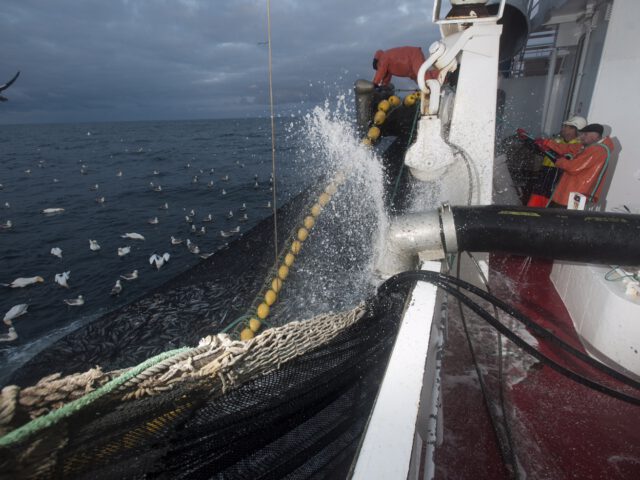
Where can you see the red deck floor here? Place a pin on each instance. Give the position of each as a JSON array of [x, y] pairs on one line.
[[559, 429]]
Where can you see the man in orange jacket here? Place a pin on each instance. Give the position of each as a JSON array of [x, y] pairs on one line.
[[399, 62], [585, 173]]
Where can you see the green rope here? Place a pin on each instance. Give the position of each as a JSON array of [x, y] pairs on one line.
[[413, 128], [49, 420]]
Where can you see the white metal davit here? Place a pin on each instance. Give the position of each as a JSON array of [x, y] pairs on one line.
[[393, 440]]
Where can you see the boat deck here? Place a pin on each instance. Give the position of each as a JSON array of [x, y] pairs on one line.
[[556, 427]]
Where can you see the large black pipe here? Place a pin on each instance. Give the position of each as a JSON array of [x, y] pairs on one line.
[[591, 237]]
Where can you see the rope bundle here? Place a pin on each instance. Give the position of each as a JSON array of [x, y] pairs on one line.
[[218, 363]]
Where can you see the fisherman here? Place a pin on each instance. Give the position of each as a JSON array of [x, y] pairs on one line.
[[584, 173], [549, 175], [399, 62]]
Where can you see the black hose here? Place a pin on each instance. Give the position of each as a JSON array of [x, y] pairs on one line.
[[541, 331], [505, 439], [445, 282], [592, 237]]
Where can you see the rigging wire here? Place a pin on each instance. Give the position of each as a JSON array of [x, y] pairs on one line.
[[273, 141]]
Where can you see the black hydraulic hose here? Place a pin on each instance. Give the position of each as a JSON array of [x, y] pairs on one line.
[[445, 282], [576, 235], [540, 331]]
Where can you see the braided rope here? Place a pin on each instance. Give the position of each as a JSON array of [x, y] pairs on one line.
[[219, 362], [69, 409]]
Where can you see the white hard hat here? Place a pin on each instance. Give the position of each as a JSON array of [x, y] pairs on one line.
[[576, 121]]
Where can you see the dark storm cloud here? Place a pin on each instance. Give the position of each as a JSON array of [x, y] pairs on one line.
[[99, 60]]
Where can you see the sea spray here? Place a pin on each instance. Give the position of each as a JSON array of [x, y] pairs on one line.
[[335, 269]]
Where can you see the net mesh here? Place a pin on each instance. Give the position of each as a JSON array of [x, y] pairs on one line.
[[303, 418], [291, 403]]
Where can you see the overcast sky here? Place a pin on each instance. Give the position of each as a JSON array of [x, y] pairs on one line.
[[106, 60]]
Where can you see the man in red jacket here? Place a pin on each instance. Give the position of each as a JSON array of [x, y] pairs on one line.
[[585, 173], [399, 62]]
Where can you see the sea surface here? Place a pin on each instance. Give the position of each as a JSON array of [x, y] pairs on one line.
[[208, 167]]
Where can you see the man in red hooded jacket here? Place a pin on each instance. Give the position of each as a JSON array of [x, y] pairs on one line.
[[399, 62], [586, 172]]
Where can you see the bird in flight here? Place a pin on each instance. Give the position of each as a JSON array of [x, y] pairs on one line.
[[7, 85]]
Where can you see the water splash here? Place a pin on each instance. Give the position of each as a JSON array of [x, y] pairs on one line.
[[335, 269]]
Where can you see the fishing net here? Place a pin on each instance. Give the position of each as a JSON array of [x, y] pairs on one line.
[[290, 403]]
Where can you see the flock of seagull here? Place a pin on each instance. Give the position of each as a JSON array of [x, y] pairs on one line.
[[155, 260]]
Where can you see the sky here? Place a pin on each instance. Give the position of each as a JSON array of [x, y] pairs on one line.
[[127, 60]]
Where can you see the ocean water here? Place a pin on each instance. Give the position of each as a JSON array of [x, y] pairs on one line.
[[58, 166]]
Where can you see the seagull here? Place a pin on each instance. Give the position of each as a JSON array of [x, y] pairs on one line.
[[243, 208], [158, 260], [117, 288], [153, 221], [193, 248], [256, 185], [165, 206], [93, 188], [28, 171], [156, 172], [56, 252], [9, 337], [225, 178], [268, 205], [193, 228], [192, 213], [188, 165], [94, 246], [224, 192], [204, 256], [230, 215], [15, 312], [202, 231], [210, 184], [100, 200], [7, 85], [175, 241], [122, 251], [62, 278], [158, 189], [23, 282], [130, 276], [7, 205], [119, 174], [195, 179], [52, 211], [208, 218], [74, 302], [244, 218], [132, 236], [235, 229], [211, 171], [55, 180], [6, 226], [224, 234], [188, 219]]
